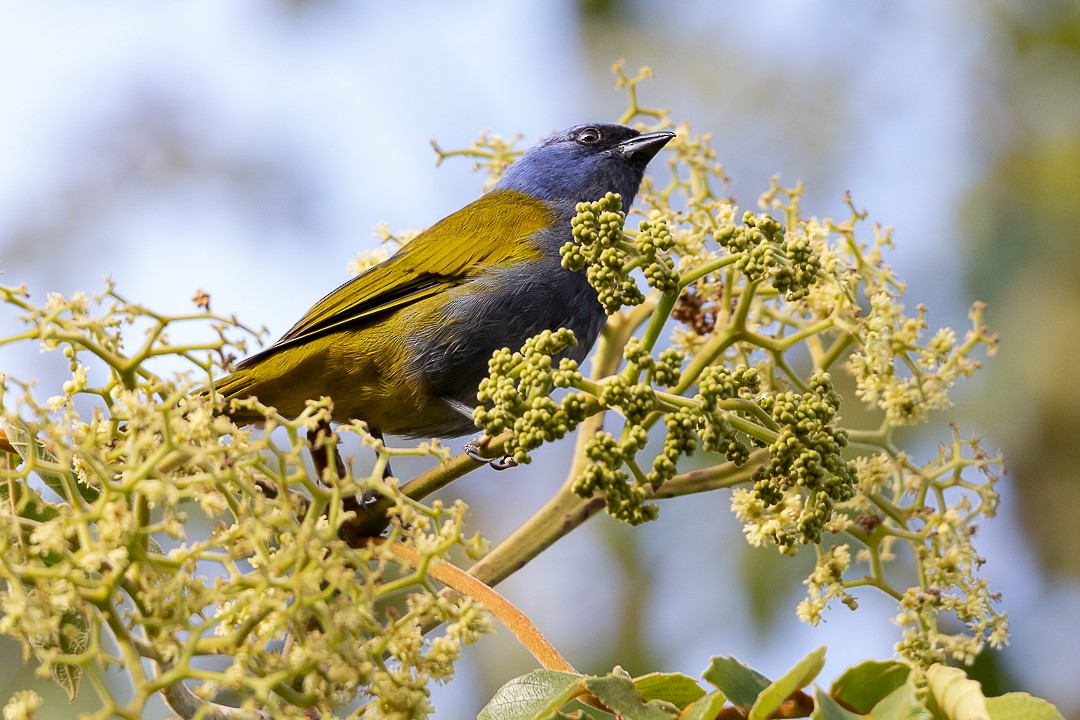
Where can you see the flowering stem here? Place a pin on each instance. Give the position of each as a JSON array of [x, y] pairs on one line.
[[559, 516], [565, 510], [711, 478]]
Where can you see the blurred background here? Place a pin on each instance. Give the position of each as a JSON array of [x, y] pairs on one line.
[[248, 148]]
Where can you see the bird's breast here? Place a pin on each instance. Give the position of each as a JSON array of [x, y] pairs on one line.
[[454, 336]]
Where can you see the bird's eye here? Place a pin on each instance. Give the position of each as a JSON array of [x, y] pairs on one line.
[[589, 136]]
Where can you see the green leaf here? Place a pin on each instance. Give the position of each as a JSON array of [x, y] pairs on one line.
[[74, 638], [44, 462], [953, 695], [67, 677], [154, 547], [1021, 706], [863, 686], [32, 450], [27, 501], [798, 677], [741, 683], [678, 689], [900, 704], [533, 696], [825, 708], [707, 708], [71, 639], [616, 692]]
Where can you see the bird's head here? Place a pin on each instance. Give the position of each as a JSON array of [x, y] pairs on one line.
[[584, 163]]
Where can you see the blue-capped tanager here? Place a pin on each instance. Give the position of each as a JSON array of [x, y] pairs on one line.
[[404, 345]]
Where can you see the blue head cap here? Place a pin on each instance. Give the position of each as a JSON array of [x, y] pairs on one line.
[[585, 163]]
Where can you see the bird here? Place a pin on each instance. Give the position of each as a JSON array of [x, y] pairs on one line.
[[404, 345]]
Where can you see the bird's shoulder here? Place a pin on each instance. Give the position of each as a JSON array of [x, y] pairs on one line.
[[494, 230]]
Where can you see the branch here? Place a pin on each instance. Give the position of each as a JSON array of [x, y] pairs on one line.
[[514, 619]]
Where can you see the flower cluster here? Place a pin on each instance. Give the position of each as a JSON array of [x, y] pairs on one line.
[[769, 306], [947, 559], [518, 390], [718, 387], [799, 431], [491, 154], [608, 256], [929, 368], [766, 251], [806, 454], [729, 346], [664, 370], [826, 583], [607, 476], [121, 570]]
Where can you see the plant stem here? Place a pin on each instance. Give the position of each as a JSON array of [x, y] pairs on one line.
[[467, 584], [560, 515]]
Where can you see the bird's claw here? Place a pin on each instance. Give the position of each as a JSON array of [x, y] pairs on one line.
[[364, 502], [503, 463], [472, 449]]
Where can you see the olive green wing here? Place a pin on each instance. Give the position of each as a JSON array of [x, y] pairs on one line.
[[489, 231]]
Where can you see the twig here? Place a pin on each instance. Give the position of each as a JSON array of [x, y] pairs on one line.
[[514, 619]]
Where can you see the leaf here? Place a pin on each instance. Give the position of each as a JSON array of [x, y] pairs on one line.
[[678, 689], [825, 708], [616, 692], [27, 501], [67, 677], [953, 695], [153, 546], [798, 677], [741, 683], [32, 450], [74, 638], [863, 686], [1021, 706], [532, 696], [44, 462], [900, 704], [71, 639], [707, 708]]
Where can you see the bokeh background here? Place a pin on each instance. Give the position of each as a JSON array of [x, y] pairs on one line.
[[247, 148]]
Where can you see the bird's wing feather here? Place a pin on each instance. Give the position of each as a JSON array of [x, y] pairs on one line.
[[489, 231]]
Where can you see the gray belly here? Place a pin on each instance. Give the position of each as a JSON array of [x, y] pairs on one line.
[[499, 309]]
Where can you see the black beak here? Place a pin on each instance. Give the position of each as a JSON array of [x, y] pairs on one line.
[[643, 148]]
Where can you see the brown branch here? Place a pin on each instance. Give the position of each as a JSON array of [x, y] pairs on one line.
[[508, 614], [5, 444], [797, 705]]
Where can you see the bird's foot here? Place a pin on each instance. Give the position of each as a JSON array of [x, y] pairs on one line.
[[323, 452], [472, 449], [369, 498], [365, 502], [503, 463]]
